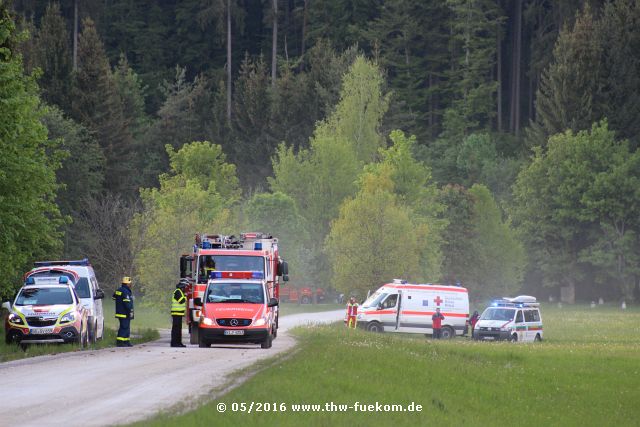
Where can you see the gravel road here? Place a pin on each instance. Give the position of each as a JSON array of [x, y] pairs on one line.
[[121, 385]]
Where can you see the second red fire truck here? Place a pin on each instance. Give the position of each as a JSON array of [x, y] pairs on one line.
[[233, 296]]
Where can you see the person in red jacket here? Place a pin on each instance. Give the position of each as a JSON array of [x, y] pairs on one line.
[[352, 312], [437, 319], [473, 320]]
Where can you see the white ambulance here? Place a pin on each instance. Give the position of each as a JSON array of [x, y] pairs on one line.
[[514, 319], [405, 307]]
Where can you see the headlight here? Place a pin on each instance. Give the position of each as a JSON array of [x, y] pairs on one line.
[[69, 317], [505, 329], [260, 322], [206, 321], [15, 319]]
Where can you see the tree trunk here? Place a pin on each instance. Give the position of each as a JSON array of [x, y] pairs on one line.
[[304, 32], [75, 35], [514, 123], [229, 61], [499, 76], [274, 44]]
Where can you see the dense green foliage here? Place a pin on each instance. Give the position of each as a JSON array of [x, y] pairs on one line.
[[422, 112], [29, 217]]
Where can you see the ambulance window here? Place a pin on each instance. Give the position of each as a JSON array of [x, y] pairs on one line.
[[531, 316], [519, 317], [391, 301]]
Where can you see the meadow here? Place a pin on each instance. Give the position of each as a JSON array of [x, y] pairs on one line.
[[586, 372]]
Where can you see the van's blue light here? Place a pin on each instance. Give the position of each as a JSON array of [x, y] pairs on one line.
[[257, 246], [257, 275], [215, 275], [206, 245], [63, 279], [31, 281]]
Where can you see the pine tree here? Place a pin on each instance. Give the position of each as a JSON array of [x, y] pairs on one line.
[[97, 104], [54, 58]]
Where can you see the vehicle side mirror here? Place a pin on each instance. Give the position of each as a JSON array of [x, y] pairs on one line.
[[273, 302], [197, 301], [6, 305], [283, 269], [285, 278], [99, 294]]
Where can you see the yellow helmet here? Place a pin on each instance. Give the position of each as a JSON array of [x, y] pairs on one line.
[[126, 280]]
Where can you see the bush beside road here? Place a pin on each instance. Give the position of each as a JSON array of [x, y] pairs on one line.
[[586, 372]]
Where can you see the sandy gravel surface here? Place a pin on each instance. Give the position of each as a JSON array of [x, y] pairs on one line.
[[122, 385]]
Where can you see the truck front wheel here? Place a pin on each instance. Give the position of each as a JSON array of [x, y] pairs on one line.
[[202, 343], [193, 336], [375, 327], [267, 343]]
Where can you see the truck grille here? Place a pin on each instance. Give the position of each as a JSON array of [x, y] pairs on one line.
[[38, 322], [232, 322], [483, 329]]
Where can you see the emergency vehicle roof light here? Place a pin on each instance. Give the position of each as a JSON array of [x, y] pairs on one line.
[[206, 245], [30, 281], [257, 275], [400, 281], [257, 246], [63, 280], [80, 262], [215, 275]]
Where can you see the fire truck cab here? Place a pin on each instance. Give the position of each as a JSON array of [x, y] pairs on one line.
[[251, 253]]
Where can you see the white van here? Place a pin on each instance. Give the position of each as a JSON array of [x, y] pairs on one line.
[[86, 286], [514, 319], [405, 307]]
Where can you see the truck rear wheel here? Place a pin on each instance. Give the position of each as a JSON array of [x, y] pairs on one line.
[[375, 327], [193, 335], [447, 333]]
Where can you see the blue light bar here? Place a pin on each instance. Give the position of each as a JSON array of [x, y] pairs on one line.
[[257, 246], [215, 275], [80, 262], [63, 280], [257, 275], [206, 245], [30, 281]]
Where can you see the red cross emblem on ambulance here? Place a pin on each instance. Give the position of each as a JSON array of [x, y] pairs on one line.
[[438, 301]]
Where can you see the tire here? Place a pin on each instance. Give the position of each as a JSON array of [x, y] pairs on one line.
[[102, 330], [447, 333], [375, 327], [305, 300], [202, 343], [267, 343], [538, 338], [193, 336], [93, 332], [514, 338]]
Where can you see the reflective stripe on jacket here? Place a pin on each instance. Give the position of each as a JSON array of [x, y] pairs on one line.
[[178, 303]]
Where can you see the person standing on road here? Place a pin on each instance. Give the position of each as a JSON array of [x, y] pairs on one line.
[[352, 312], [473, 320], [437, 319], [124, 312], [178, 308]]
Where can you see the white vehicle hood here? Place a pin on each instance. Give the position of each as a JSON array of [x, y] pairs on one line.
[[492, 323]]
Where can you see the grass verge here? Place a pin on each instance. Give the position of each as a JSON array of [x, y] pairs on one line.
[[586, 372]]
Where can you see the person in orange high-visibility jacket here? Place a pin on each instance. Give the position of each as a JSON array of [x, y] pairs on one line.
[[352, 312]]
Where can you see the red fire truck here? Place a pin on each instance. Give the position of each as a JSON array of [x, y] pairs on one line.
[[216, 257]]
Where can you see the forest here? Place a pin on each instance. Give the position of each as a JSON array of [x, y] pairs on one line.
[[487, 143]]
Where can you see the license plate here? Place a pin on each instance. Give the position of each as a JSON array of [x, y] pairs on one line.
[[489, 338], [42, 331], [234, 332]]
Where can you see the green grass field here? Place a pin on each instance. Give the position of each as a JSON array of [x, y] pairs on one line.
[[586, 372]]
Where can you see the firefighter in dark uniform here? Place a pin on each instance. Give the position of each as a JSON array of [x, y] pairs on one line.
[[124, 312], [178, 308]]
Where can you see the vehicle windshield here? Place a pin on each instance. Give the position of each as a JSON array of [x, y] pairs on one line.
[[208, 263], [497, 313], [45, 296], [235, 293], [374, 299]]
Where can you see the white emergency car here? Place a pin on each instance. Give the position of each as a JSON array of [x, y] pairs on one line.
[[86, 285], [46, 310], [405, 307], [514, 319]]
